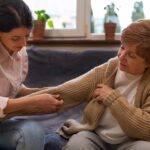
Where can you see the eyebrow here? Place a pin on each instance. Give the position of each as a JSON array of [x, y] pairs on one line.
[[19, 36]]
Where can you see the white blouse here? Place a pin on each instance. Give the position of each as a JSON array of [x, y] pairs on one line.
[[109, 129], [13, 70]]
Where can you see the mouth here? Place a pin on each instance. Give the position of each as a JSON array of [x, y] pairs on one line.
[[122, 64]]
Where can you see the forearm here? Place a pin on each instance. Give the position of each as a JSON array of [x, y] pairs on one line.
[[20, 106], [34, 105], [134, 121]]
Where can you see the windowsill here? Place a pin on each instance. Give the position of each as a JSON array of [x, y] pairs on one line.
[[68, 41]]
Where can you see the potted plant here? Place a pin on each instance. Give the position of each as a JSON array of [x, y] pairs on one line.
[[110, 21], [138, 12], [39, 24]]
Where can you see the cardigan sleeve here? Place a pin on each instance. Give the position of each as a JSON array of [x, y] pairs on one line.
[[134, 121], [79, 89], [73, 91]]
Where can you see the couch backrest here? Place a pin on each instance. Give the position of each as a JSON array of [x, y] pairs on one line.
[[52, 67]]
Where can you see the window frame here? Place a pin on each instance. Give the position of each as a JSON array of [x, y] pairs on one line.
[[80, 24], [83, 25]]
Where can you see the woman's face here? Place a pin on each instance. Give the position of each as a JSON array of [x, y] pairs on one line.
[[129, 61], [14, 40]]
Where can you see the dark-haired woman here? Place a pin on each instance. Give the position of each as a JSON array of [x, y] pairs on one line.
[[15, 27]]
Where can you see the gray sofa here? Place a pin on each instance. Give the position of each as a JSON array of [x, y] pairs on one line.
[[53, 67]]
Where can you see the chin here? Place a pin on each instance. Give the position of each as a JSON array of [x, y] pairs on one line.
[[123, 69], [16, 50]]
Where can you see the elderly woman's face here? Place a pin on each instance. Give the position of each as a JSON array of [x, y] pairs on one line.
[[129, 61]]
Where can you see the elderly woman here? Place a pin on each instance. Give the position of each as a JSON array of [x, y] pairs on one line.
[[118, 113]]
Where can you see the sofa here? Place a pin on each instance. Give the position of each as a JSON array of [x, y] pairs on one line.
[[53, 67]]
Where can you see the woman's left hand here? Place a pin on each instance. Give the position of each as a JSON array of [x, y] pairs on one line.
[[101, 92]]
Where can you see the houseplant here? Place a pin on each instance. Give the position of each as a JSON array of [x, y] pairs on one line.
[[138, 12], [111, 21], [39, 24]]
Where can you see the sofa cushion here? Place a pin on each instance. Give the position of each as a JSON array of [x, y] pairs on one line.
[[52, 67]]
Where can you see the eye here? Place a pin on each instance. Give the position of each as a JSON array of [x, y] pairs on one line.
[[131, 55], [15, 38], [122, 47]]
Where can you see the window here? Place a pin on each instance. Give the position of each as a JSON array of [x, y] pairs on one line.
[[84, 18], [67, 15], [128, 11]]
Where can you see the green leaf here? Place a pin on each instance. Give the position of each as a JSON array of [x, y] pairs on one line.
[[50, 24]]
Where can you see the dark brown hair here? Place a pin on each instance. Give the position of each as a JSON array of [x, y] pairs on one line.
[[14, 14]]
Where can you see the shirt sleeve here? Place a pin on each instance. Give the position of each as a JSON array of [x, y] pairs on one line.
[[3, 104]]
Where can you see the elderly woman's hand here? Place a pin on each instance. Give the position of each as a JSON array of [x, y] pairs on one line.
[[101, 92]]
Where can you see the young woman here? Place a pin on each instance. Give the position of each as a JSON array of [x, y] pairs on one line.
[[118, 113], [15, 27]]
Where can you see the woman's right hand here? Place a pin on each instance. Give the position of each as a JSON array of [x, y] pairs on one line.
[[34, 105], [47, 103]]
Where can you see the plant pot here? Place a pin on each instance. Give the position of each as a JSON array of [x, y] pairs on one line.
[[110, 29], [38, 30]]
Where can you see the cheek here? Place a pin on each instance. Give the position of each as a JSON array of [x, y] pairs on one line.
[[10, 45], [119, 53], [132, 64], [6, 42], [137, 68]]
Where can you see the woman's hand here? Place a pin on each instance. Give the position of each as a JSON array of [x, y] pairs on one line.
[[48, 103], [34, 105], [101, 92]]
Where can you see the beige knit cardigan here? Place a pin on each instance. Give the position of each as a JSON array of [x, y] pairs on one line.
[[133, 119]]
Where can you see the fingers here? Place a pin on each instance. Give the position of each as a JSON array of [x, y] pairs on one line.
[[100, 85], [65, 129], [98, 89], [54, 103], [99, 99], [57, 105], [56, 96], [66, 124], [97, 92]]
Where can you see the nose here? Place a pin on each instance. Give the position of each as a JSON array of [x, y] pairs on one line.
[[23, 42], [122, 55]]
